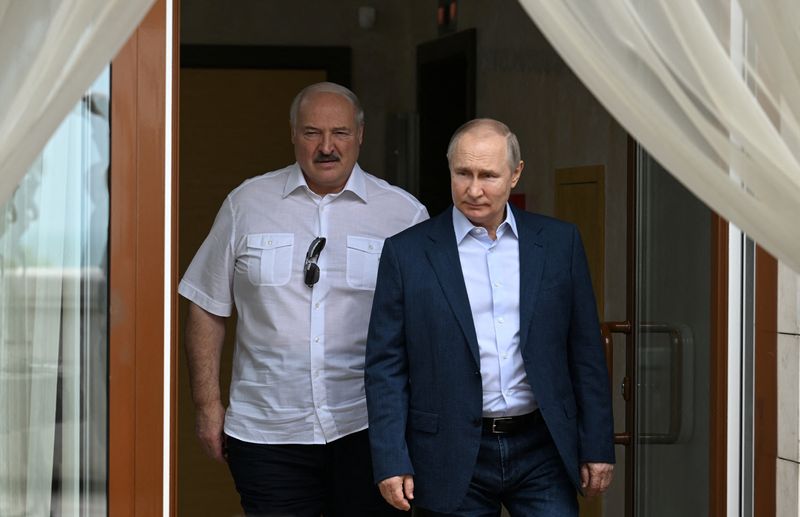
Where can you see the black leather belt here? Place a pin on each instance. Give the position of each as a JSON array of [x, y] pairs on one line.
[[511, 424]]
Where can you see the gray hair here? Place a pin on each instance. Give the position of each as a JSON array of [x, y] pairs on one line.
[[512, 144], [326, 87]]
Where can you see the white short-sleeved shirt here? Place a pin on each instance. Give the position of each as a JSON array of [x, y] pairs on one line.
[[298, 366]]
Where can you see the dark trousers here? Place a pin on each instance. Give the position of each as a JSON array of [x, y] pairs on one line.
[[522, 471], [334, 480]]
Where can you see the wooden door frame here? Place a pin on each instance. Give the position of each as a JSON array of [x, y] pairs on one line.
[[718, 390], [137, 278], [765, 405]]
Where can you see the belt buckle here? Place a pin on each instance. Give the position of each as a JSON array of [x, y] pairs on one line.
[[499, 419]]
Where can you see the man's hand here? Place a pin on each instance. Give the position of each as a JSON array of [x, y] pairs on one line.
[[208, 427], [398, 491], [595, 478]]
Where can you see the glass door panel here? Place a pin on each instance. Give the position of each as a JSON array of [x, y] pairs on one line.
[[672, 333], [53, 322]]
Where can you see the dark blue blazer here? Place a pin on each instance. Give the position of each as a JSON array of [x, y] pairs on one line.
[[423, 381]]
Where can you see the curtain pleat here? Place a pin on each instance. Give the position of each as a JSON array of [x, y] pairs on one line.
[[710, 88], [50, 52]]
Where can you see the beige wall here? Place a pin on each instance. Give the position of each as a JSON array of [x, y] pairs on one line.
[[788, 467], [382, 57]]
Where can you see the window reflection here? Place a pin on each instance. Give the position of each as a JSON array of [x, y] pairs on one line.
[[673, 345], [53, 322]]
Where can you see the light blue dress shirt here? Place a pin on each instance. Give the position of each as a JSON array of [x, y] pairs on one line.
[[491, 275]]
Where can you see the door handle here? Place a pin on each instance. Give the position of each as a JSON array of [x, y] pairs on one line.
[[680, 338], [607, 330], [680, 341]]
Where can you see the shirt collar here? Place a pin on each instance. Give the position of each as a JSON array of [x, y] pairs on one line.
[[356, 183], [463, 226]]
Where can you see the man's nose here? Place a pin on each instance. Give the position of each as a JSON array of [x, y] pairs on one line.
[[474, 188], [326, 145]]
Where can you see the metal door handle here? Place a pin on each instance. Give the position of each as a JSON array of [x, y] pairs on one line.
[[680, 338], [607, 329]]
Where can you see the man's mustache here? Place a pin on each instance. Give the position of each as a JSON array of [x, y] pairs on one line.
[[325, 158]]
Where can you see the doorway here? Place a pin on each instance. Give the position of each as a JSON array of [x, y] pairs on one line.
[[445, 100], [234, 124], [556, 119]]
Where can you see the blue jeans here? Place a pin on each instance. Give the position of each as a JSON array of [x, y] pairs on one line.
[[521, 471]]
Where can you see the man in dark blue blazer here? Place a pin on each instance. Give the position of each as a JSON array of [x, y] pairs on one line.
[[485, 377]]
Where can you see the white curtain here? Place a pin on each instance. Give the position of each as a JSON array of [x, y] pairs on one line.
[[50, 52], [711, 88], [53, 311]]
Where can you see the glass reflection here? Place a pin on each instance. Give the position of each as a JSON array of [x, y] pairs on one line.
[[53, 322], [673, 342]]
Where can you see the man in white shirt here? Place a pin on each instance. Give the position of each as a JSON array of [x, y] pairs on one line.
[[295, 251]]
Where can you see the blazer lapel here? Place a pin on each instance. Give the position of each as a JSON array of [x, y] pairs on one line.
[[531, 265], [442, 253]]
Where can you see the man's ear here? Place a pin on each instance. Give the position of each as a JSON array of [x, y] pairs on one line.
[[360, 134], [515, 175]]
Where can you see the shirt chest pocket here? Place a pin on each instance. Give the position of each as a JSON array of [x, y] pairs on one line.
[[269, 258], [363, 255]]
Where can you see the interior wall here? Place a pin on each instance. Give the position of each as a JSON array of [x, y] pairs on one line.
[[382, 55]]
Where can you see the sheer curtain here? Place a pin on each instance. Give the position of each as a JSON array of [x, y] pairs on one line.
[[53, 314], [711, 88], [50, 52]]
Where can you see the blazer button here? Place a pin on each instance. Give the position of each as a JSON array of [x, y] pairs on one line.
[[477, 373]]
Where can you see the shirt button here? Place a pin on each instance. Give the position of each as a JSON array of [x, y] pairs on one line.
[[497, 284], [370, 246], [500, 321], [269, 243], [505, 356], [316, 339], [316, 305]]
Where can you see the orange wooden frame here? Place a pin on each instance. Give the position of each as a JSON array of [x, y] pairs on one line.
[[136, 270], [765, 408], [718, 400]]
